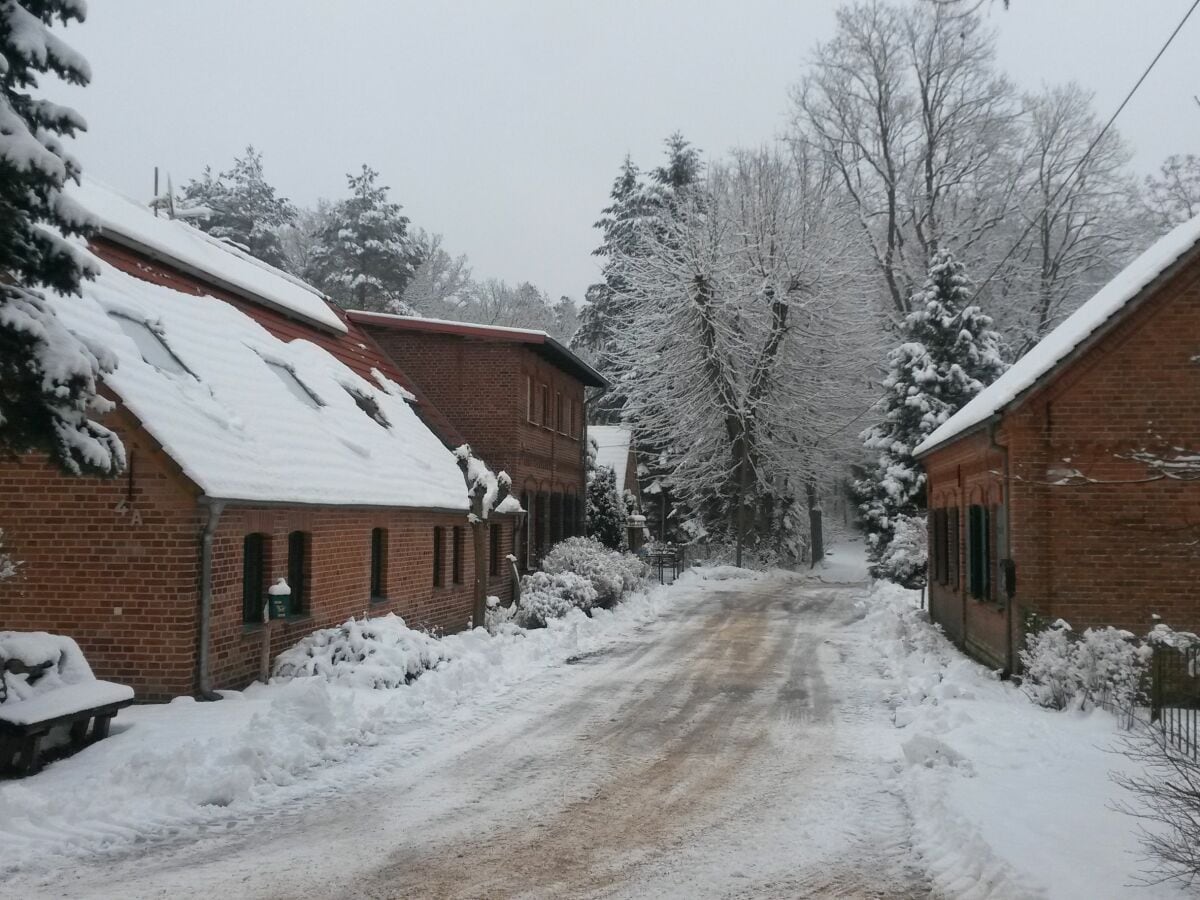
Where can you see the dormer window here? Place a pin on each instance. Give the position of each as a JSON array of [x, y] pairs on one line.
[[368, 405], [151, 345], [298, 388]]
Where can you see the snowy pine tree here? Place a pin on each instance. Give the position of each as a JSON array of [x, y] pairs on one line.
[[949, 354], [48, 378], [605, 512], [364, 259], [244, 208]]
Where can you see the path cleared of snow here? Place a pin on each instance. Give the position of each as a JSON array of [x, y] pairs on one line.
[[785, 735]]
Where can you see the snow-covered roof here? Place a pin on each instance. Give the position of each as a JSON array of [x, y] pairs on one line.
[[539, 341], [612, 449], [1060, 343], [250, 417], [199, 254]]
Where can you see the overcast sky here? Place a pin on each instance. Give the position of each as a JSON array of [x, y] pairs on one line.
[[501, 124]]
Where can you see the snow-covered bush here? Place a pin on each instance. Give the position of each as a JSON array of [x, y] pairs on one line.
[[904, 559], [536, 608], [1064, 669], [612, 574], [573, 588], [378, 652]]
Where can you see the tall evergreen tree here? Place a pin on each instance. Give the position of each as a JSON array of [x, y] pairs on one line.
[[364, 259], [635, 203], [48, 378], [244, 208], [605, 511], [949, 354]]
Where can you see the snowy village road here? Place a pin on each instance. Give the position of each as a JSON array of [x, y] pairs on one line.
[[723, 751]]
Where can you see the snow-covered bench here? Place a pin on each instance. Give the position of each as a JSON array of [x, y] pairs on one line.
[[47, 687]]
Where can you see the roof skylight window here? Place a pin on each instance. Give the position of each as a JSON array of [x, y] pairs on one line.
[[298, 388], [368, 405], [151, 345]]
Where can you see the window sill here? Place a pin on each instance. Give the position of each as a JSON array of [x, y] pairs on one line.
[[297, 619], [376, 601]]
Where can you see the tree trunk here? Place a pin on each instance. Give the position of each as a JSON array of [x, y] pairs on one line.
[[479, 536], [815, 523]]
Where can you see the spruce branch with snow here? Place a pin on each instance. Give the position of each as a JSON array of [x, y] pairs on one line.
[[605, 512], [949, 353], [243, 208], [49, 379], [364, 256]]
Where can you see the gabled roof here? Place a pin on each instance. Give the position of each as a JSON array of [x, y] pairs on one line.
[[1073, 337], [612, 449], [539, 341], [193, 252], [250, 417]]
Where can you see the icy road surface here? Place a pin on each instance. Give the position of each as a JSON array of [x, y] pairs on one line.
[[724, 750]]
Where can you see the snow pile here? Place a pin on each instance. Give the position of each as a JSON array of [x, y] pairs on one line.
[[994, 782], [378, 652], [33, 648], [610, 572], [1064, 670]]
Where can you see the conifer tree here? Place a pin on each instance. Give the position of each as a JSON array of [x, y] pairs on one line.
[[244, 208], [605, 512], [949, 354], [48, 378], [364, 259]]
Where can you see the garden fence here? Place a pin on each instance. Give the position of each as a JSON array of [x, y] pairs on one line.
[[1175, 696]]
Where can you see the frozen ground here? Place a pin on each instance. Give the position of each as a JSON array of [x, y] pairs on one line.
[[736, 737]]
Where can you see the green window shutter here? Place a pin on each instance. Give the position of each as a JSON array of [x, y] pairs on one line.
[[954, 538]]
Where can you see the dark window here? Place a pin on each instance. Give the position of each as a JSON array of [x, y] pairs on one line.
[[979, 552], [939, 567], [952, 545], [494, 550], [547, 421], [458, 555], [437, 557], [530, 403], [379, 547], [254, 576], [560, 419], [556, 518], [299, 543], [368, 405]]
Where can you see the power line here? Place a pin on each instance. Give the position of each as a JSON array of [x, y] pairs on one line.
[[1087, 153]]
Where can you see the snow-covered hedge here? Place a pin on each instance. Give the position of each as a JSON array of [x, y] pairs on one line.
[[611, 572], [546, 596], [379, 652], [1065, 669]]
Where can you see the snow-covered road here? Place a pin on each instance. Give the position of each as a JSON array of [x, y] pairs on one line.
[[723, 750]]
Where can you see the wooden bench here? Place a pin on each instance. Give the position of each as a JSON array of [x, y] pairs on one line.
[[85, 707]]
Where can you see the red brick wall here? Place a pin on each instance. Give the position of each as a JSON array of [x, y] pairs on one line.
[[123, 586], [481, 387], [128, 591], [1123, 550], [339, 576]]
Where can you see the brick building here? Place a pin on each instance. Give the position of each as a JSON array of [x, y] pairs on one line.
[[518, 397], [266, 438], [1070, 488]]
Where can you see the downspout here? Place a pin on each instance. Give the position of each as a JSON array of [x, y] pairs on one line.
[[1009, 654], [203, 679]]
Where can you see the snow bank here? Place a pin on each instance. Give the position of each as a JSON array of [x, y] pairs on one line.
[[1008, 799], [170, 769]]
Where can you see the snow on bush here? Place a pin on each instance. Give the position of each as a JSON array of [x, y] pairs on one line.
[[903, 560], [546, 596], [378, 652], [1065, 670], [611, 572], [8, 565]]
